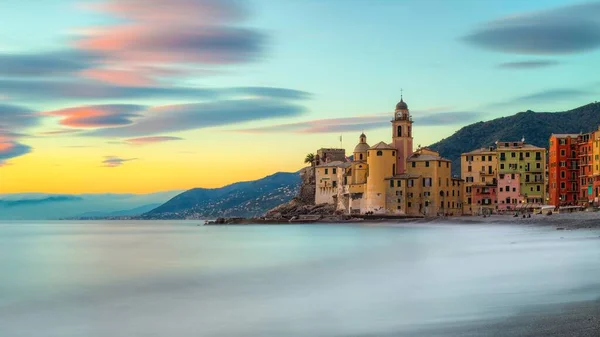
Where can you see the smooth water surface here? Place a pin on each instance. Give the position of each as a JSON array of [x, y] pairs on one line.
[[179, 279]]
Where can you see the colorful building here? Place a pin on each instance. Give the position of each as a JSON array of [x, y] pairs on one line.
[[391, 178], [478, 167], [530, 163], [485, 199], [509, 196], [586, 179], [563, 170]]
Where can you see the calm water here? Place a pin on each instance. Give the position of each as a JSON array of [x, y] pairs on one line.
[[178, 279]]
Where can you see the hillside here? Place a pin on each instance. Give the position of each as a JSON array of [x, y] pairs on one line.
[[243, 199], [536, 127]]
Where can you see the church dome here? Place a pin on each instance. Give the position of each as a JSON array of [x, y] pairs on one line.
[[401, 105], [361, 147]]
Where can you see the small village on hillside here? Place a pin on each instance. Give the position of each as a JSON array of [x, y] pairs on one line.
[[508, 177]]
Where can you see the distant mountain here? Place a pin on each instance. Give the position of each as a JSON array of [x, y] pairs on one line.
[[128, 212], [536, 127], [39, 206], [247, 199], [42, 200]]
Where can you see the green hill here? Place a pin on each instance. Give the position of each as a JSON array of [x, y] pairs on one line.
[[536, 127], [248, 199]]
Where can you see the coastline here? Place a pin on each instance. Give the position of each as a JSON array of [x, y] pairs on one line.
[[567, 221]]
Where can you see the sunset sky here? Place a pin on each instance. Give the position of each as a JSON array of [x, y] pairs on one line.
[[142, 96]]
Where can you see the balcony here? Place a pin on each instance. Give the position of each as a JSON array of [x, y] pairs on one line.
[[487, 173]]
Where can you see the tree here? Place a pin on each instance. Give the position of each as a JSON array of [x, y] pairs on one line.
[[310, 159]]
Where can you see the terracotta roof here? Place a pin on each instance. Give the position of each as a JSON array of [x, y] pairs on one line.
[[564, 135], [425, 157], [381, 146], [480, 151]]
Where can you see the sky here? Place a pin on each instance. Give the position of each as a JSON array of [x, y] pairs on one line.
[[135, 96]]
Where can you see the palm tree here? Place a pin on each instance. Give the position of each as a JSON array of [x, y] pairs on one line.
[[310, 159]]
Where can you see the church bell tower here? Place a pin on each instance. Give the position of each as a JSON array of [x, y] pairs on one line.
[[402, 139]]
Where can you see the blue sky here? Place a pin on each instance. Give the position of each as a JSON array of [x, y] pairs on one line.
[[284, 76]]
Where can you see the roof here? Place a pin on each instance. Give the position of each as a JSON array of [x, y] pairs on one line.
[[480, 151], [361, 147], [520, 146], [381, 146], [401, 105], [425, 157], [564, 135]]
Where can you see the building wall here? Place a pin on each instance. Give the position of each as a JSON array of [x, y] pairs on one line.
[[530, 163], [327, 184], [563, 171], [380, 167], [485, 199], [477, 167], [509, 191], [327, 155], [584, 144], [402, 141]]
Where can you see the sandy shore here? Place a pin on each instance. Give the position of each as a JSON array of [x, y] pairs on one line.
[[566, 220], [578, 319]]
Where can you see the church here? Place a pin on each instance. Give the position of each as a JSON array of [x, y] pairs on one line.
[[389, 178]]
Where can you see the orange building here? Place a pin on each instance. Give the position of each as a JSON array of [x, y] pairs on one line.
[[563, 169], [586, 180]]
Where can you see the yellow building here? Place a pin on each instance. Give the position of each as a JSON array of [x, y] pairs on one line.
[[530, 163], [391, 179], [477, 168]]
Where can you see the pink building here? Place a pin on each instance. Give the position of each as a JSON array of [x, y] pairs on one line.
[[485, 198], [509, 191]]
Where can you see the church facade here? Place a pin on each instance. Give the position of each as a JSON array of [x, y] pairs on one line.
[[391, 178]]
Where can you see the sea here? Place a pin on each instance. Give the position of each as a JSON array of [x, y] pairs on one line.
[[181, 278]]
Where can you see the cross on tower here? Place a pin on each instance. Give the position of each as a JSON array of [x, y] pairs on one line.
[[401, 90]]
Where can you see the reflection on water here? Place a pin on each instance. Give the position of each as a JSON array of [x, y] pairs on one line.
[[179, 279]]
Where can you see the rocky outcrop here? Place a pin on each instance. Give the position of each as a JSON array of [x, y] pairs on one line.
[[308, 186], [304, 202], [296, 208]]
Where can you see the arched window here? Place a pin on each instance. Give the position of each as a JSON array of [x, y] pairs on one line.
[[379, 153], [408, 135], [360, 156], [393, 169], [399, 130]]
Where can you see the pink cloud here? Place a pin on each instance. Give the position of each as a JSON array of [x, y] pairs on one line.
[[164, 34], [58, 132], [95, 116], [114, 161], [118, 77], [150, 140]]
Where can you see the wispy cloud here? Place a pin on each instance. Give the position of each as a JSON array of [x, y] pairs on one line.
[[359, 123], [151, 140], [114, 161], [180, 117], [11, 149], [58, 132], [164, 34], [528, 64], [14, 120], [58, 63], [94, 116], [62, 89], [547, 95], [563, 30]]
